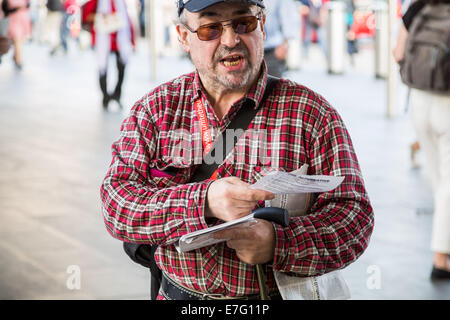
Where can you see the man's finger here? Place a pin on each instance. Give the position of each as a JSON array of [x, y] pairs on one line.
[[247, 194], [237, 233], [241, 191]]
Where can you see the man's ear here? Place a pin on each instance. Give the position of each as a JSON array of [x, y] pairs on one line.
[[182, 38], [263, 23]]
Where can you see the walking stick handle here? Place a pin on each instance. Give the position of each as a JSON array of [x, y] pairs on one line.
[[273, 214]]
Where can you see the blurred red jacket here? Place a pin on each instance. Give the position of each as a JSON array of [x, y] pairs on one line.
[[90, 7]]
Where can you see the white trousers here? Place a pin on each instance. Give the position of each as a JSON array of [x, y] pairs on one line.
[[431, 116], [52, 28]]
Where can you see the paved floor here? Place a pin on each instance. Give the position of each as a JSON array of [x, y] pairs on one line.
[[55, 148]]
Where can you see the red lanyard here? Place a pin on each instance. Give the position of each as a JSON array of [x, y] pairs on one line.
[[206, 132]]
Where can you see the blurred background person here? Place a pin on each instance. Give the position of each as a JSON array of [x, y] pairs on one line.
[[398, 55], [70, 26], [133, 7], [112, 32], [352, 46], [282, 27], [5, 42], [19, 27], [32, 6], [39, 15], [53, 24], [142, 18], [431, 117], [316, 15]]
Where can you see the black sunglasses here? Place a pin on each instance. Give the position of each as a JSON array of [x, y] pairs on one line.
[[212, 31]]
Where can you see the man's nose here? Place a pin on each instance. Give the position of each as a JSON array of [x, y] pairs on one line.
[[229, 38]]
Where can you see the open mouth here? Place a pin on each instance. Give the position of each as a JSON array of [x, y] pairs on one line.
[[232, 61]]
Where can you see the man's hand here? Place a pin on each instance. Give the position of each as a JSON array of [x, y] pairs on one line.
[[230, 199], [281, 51], [254, 244]]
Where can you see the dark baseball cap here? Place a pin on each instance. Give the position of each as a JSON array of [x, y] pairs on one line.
[[198, 5]]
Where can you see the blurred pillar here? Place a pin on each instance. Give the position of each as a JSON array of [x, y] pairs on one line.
[[392, 75], [381, 39], [336, 41], [294, 56], [150, 32]]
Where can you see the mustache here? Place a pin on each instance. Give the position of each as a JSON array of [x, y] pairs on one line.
[[224, 51]]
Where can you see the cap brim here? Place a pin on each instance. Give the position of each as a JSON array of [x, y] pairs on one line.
[[196, 6]]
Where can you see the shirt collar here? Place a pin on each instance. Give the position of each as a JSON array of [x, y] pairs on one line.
[[198, 88], [255, 93]]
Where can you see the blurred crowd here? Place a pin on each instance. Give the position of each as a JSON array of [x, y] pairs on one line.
[[64, 25], [53, 23]]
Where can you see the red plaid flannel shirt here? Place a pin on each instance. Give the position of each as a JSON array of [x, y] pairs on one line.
[[301, 128]]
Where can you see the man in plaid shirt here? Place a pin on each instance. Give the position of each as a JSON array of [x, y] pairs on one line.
[[147, 195]]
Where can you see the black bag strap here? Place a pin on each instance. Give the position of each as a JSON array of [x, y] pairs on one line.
[[144, 254], [241, 120]]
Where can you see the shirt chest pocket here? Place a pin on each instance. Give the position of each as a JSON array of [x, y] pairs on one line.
[[166, 175]]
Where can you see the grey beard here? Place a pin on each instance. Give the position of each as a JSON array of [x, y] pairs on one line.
[[221, 82]]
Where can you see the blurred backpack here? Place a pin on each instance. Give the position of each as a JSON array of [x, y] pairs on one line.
[[87, 8], [314, 13], [54, 5], [426, 64]]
